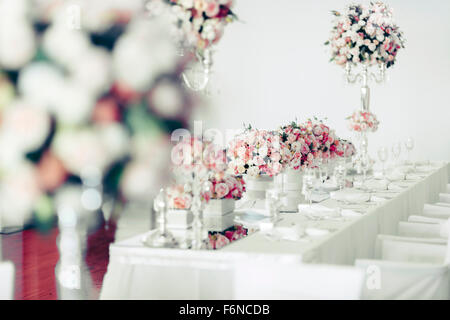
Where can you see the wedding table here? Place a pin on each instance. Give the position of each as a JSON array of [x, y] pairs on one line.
[[139, 272]]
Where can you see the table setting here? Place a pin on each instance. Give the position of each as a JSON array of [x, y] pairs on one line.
[[156, 149]]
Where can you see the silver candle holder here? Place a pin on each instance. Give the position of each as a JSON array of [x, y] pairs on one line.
[[162, 237], [364, 76]]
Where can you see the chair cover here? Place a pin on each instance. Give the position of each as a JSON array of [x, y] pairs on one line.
[[399, 280], [402, 249], [434, 211], [423, 219], [423, 230], [295, 281], [444, 197]]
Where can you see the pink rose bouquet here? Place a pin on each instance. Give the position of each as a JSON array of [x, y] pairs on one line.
[[365, 34], [255, 152], [305, 143], [227, 187], [363, 121]]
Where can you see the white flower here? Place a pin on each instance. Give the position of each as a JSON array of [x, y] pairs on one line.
[[19, 192], [167, 99], [115, 139], [93, 71], [140, 181], [72, 104], [144, 52], [25, 126], [39, 81], [253, 171], [80, 149], [17, 43], [64, 45]]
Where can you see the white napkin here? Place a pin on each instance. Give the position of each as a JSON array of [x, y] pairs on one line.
[[396, 186], [395, 175], [316, 232], [347, 213], [424, 169], [415, 176], [293, 233], [373, 184], [375, 198], [402, 169], [349, 195], [319, 197], [330, 185], [318, 211]]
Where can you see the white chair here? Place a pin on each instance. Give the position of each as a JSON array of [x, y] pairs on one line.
[[423, 230], [409, 268], [443, 204], [409, 249], [296, 281], [444, 197], [387, 280], [422, 219], [434, 211], [448, 188], [6, 280]]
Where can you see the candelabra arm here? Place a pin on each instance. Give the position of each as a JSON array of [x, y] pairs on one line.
[[205, 60]]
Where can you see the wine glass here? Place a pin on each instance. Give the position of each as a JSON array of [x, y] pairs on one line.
[[396, 150], [308, 184], [409, 145], [340, 173], [383, 153]]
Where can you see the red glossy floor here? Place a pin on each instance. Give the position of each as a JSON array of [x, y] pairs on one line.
[[35, 255]]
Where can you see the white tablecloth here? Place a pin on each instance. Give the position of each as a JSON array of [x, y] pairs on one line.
[[138, 272]]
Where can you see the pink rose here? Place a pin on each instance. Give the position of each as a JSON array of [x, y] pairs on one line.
[[221, 190]]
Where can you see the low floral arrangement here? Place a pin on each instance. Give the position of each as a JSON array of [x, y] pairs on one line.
[[179, 198], [363, 121], [221, 186], [203, 21], [303, 144], [255, 152], [328, 143], [365, 34], [219, 240], [227, 187]]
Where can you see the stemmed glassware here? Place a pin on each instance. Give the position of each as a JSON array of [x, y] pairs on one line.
[[396, 151], [340, 172], [309, 178], [409, 145], [383, 155]]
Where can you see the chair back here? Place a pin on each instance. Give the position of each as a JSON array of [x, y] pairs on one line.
[[296, 281]]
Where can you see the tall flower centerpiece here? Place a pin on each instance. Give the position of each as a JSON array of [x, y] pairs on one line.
[[362, 122], [365, 36], [201, 24], [194, 164]]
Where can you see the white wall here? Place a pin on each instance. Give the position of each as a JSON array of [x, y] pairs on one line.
[[274, 67]]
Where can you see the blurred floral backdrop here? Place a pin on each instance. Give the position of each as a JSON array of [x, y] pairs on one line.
[[89, 92]]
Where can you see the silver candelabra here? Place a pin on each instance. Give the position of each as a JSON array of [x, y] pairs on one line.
[[364, 76]]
